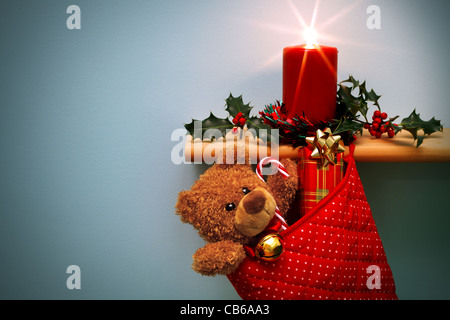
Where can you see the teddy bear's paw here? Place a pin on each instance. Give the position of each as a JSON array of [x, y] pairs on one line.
[[221, 257]]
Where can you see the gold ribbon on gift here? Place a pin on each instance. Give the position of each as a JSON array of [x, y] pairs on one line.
[[326, 146]]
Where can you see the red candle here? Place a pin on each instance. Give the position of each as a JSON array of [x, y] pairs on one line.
[[310, 82]]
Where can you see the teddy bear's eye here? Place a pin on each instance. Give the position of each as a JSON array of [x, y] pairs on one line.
[[245, 190], [230, 206]]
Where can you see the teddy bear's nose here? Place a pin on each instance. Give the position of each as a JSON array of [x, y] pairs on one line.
[[254, 202]]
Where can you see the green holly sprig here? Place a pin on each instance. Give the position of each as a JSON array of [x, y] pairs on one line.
[[353, 105], [352, 111], [239, 116]]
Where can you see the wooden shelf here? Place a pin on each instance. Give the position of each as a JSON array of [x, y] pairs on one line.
[[401, 148]]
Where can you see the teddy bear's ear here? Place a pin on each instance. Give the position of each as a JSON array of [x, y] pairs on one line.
[[185, 206]]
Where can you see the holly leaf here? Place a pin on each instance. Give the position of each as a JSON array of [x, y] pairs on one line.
[[236, 105], [414, 123], [353, 104], [257, 124], [356, 103], [201, 129], [428, 127], [345, 95], [350, 126], [372, 96]]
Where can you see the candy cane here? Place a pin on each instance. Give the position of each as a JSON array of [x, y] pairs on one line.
[[282, 170], [278, 215], [267, 160]]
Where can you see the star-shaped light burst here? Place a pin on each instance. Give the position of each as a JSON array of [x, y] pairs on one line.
[[326, 146]]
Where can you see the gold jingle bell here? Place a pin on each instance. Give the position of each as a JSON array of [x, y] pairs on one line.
[[270, 247]]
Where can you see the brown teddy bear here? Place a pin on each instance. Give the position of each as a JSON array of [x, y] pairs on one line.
[[230, 206]]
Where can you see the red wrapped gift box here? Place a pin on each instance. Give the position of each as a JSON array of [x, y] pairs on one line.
[[316, 182]]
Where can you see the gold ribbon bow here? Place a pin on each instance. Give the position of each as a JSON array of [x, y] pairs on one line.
[[326, 146]]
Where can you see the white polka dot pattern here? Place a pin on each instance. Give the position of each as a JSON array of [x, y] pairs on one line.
[[327, 253]]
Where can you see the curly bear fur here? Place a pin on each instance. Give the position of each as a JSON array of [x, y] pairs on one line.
[[227, 205]]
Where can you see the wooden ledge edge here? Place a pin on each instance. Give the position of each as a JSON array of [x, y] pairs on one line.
[[401, 148]]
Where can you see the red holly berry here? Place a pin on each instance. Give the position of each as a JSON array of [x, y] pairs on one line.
[[378, 126], [239, 120], [391, 132]]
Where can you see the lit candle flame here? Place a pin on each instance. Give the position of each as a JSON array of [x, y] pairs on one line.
[[310, 36]]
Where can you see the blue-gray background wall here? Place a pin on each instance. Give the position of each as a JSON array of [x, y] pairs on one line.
[[86, 118]]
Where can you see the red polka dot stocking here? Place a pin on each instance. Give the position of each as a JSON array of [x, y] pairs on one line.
[[333, 252]]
